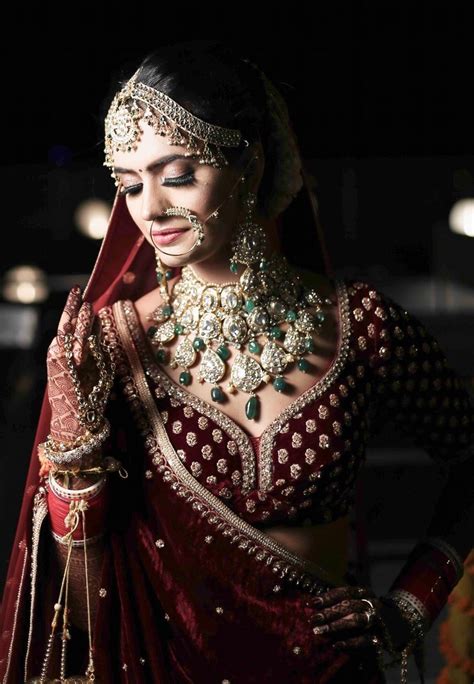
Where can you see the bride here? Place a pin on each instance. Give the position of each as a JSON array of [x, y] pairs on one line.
[[186, 515]]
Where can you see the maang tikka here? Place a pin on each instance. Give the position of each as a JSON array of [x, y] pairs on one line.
[[137, 101]]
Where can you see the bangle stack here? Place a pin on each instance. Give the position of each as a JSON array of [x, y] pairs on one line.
[[420, 591], [60, 454], [67, 507], [108, 465]]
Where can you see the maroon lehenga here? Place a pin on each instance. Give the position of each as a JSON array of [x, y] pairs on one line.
[[192, 589]]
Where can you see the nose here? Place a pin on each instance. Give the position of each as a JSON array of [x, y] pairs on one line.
[[153, 201]]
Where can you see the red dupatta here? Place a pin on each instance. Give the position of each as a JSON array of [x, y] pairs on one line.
[[196, 608]]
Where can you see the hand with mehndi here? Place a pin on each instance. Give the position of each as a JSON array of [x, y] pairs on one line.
[[341, 612], [77, 319]]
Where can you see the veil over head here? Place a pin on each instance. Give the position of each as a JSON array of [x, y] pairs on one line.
[[124, 269]]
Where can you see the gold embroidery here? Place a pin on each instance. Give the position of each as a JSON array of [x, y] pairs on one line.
[[40, 511], [278, 425], [15, 619], [283, 562]]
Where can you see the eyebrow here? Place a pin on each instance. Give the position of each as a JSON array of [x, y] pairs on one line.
[[159, 162]]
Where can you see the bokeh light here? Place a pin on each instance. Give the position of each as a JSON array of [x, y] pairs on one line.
[[92, 218], [25, 284], [461, 217]]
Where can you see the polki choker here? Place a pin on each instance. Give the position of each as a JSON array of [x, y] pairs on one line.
[[268, 315]]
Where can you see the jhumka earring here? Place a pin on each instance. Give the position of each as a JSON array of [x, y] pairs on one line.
[[249, 242]]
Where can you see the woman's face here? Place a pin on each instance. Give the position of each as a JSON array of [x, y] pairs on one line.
[[154, 181]]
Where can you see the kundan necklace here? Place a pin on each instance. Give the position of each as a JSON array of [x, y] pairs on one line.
[[268, 315]]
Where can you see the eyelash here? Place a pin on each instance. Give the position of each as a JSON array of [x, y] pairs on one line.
[[186, 179]]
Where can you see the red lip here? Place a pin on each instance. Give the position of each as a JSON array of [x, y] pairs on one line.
[[165, 231], [168, 235]]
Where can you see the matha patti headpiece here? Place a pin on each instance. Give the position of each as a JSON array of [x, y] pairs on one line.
[[167, 118]]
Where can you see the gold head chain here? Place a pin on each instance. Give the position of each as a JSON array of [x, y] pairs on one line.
[[167, 118]]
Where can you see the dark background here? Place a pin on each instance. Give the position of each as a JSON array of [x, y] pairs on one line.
[[382, 101], [368, 85]]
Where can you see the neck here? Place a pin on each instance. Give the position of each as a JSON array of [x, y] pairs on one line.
[[215, 269]]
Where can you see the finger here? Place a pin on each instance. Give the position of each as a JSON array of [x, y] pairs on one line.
[[358, 643], [70, 311], [337, 594], [351, 621], [337, 611], [85, 320]]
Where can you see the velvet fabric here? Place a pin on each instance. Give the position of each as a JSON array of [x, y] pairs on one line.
[[187, 608], [192, 589]]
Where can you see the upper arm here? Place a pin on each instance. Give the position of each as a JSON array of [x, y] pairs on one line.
[[416, 386]]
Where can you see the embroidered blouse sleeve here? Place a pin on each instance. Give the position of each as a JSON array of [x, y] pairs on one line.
[[416, 387]]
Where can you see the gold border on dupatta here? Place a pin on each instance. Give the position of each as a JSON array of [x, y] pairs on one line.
[[40, 512]]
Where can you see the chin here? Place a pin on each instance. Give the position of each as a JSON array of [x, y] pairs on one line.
[[176, 261]]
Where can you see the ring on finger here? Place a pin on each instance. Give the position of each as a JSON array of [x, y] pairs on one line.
[[369, 616], [370, 613], [372, 607]]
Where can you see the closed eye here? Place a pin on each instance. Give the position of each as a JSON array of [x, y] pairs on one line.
[[186, 179]]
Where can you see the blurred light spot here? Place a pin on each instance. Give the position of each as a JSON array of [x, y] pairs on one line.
[[92, 218], [25, 284], [461, 217]]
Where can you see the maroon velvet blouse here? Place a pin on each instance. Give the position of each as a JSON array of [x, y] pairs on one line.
[[303, 468]]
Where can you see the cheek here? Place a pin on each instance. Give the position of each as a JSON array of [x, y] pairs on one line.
[[203, 198]]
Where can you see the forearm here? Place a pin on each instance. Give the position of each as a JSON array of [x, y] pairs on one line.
[[77, 592], [434, 566]]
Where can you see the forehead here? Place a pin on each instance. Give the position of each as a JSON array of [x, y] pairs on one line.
[[148, 149]]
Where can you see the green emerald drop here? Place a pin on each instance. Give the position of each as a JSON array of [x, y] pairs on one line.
[[151, 330], [223, 352], [255, 347], [185, 378], [169, 274], [217, 394], [233, 267], [309, 344], [198, 343], [303, 365], [320, 316], [161, 356], [263, 266], [279, 384], [159, 276], [251, 407], [291, 316], [167, 311], [178, 329]]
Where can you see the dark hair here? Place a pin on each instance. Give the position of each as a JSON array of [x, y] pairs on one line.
[[219, 85]]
